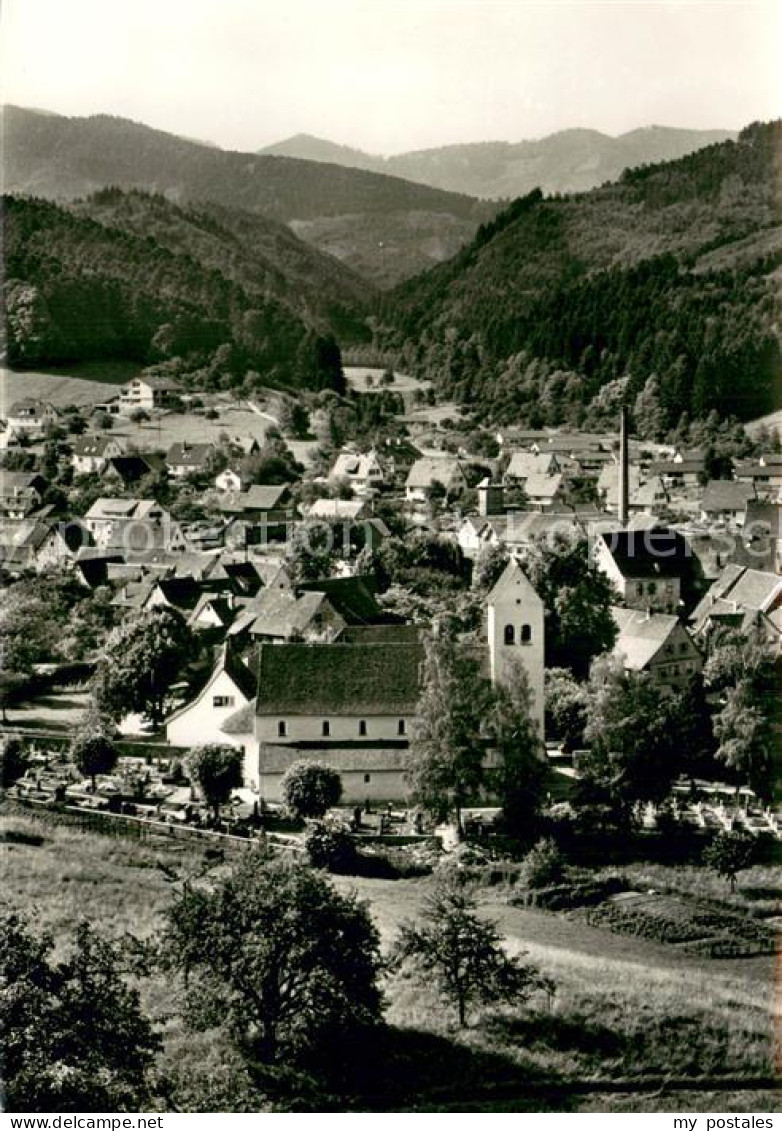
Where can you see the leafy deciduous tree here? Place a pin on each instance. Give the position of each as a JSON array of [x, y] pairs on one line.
[[141, 661], [74, 1035], [462, 953], [217, 770], [274, 952]]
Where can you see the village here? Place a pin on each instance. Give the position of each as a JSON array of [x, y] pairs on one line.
[[309, 624]]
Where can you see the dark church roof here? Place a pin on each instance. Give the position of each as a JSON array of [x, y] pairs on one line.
[[339, 679]]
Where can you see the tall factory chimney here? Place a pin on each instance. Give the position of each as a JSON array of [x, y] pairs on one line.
[[624, 471]]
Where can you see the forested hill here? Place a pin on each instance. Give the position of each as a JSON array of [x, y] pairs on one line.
[[361, 216], [661, 286], [206, 295]]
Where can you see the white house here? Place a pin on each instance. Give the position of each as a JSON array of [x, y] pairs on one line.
[[148, 393], [30, 417], [230, 687], [184, 458], [229, 480], [430, 471], [363, 471], [91, 454], [646, 566], [657, 644]]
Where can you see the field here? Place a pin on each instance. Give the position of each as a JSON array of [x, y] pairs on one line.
[[171, 428], [365, 379], [85, 384], [771, 422], [628, 1013]]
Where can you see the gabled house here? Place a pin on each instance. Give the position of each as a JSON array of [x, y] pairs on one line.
[[431, 473], [657, 644], [352, 706], [278, 616], [31, 417], [230, 687], [397, 455], [133, 526], [229, 479], [63, 543], [608, 484], [546, 490], [21, 493], [646, 566], [680, 472], [128, 470], [90, 454], [765, 472], [363, 472], [525, 464], [650, 498], [744, 599], [185, 458], [725, 500], [270, 505]]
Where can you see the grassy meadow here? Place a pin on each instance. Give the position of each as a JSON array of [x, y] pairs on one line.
[[628, 1014]]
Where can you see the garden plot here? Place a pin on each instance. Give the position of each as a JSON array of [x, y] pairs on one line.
[[698, 926]]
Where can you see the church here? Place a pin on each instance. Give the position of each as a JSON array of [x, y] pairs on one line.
[[353, 704]]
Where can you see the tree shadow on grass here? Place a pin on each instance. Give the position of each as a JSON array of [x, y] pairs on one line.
[[400, 1069], [558, 1033]]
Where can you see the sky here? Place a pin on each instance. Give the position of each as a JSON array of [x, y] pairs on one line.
[[393, 75]]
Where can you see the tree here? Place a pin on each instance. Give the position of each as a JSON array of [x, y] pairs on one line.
[[273, 952], [310, 789], [632, 727], [75, 1038], [543, 865], [312, 551], [141, 661], [728, 854], [217, 770], [460, 952], [566, 708], [741, 670], [294, 419], [520, 776], [577, 597], [14, 760], [447, 748], [92, 751]]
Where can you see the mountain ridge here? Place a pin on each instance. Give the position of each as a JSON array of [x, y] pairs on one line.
[[569, 160], [65, 158]]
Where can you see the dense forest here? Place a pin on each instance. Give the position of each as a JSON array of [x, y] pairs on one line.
[[163, 286], [658, 291]]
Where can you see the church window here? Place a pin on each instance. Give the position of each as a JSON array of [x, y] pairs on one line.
[[326, 728], [526, 634], [282, 728], [510, 634], [362, 728]]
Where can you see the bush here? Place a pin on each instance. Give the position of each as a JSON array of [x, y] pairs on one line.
[[330, 846], [543, 865], [310, 789]]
